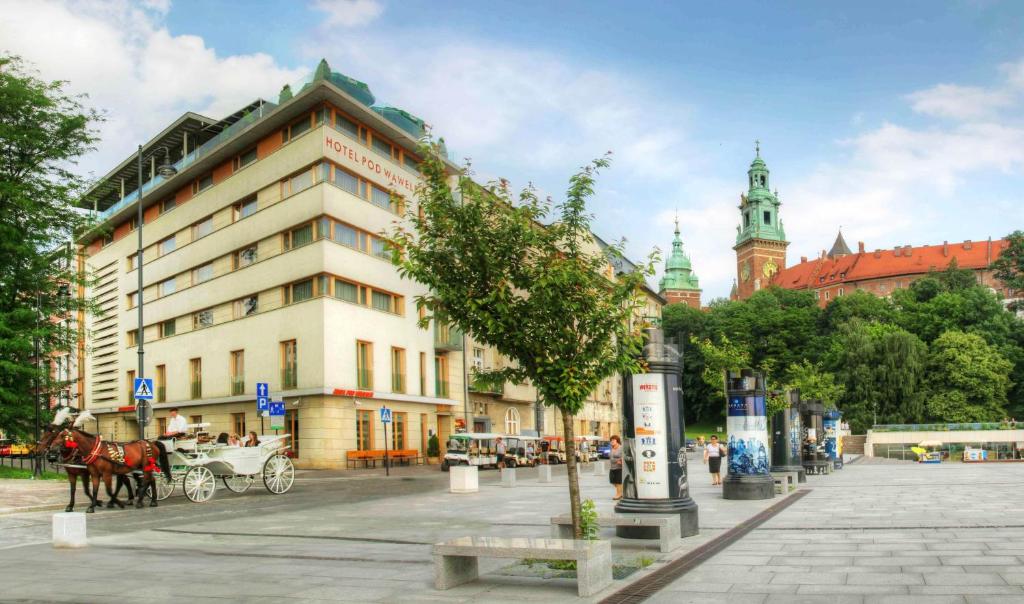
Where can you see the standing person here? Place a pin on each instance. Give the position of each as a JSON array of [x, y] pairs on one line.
[[615, 457], [499, 446], [713, 457]]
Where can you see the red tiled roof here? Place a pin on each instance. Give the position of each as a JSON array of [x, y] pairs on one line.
[[821, 272]]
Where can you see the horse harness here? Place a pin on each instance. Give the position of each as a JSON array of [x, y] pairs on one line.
[[115, 452]]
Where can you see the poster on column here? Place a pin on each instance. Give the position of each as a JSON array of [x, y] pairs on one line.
[[651, 436], [831, 424], [747, 427]]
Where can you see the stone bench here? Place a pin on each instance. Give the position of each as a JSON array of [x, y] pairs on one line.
[[785, 482], [455, 561], [669, 531]]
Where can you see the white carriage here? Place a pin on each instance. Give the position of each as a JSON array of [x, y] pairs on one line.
[[196, 466]]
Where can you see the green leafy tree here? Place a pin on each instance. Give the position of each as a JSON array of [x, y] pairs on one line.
[[967, 379], [719, 357], [684, 323], [1009, 266], [815, 383], [525, 276], [43, 131], [860, 305]]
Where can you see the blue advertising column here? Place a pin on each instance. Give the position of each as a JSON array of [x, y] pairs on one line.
[[833, 442], [787, 439], [747, 426], [654, 478]]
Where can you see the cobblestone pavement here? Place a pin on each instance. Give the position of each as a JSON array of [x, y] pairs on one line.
[[879, 534], [869, 533]]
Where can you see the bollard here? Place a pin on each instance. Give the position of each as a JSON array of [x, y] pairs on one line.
[[69, 530], [599, 468], [464, 479], [508, 477], [544, 473]]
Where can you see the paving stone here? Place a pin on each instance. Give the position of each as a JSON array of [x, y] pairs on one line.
[[946, 578], [915, 599], [884, 579], [816, 578]]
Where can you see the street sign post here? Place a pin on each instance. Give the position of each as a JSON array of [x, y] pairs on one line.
[[262, 401], [143, 388], [385, 418], [276, 415]]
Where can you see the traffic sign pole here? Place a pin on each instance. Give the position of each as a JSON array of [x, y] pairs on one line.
[[385, 418]]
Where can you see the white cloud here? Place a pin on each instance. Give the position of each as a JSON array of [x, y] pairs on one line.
[[959, 102], [133, 68], [349, 13]]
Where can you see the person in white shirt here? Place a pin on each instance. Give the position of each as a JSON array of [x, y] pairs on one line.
[[176, 425]]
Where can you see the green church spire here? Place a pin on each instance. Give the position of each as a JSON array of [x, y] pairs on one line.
[[679, 273], [759, 207]]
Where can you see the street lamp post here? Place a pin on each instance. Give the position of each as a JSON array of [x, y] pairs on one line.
[[37, 466], [142, 407]]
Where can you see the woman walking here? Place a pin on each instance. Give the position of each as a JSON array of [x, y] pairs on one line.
[[615, 474], [713, 457]]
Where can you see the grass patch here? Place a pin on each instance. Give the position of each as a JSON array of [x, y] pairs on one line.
[[705, 429], [9, 472]]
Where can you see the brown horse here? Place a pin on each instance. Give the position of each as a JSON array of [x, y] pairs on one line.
[[106, 459]]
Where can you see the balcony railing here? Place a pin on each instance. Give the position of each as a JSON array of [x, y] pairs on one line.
[[197, 389], [397, 382], [447, 337], [289, 378], [237, 385], [441, 388], [161, 394], [364, 378]]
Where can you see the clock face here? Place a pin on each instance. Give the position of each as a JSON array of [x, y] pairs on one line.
[[745, 271], [770, 268]]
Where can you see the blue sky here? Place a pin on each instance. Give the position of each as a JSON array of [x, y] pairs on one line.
[[899, 121]]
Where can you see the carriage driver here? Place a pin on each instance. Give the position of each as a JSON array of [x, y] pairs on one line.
[[176, 425]]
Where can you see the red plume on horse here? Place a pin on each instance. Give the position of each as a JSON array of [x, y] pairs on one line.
[[106, 459]]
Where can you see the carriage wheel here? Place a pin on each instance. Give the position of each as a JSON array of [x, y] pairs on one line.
[[163, 488], [199, 484], [238, 484], [278, 474]]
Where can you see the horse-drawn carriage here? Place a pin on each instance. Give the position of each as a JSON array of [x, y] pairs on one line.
[[197, 463]]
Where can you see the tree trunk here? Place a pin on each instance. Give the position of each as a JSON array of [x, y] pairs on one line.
[[574, 478]]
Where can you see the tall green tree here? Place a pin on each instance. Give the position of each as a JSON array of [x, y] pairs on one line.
[[43, 131], [967, 379], [1009, 266], [525, 276], [685, 324], [815, 383]]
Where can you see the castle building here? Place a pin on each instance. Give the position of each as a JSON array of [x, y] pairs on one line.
[[680, 284], [760, 237]]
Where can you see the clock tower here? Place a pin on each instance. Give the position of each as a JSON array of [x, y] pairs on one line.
[[760, 239]]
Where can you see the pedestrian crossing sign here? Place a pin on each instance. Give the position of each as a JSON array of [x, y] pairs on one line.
[[385, 415], [144, 389]]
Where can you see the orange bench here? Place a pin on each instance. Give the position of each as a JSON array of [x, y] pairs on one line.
[[406, 455], [354, 457]]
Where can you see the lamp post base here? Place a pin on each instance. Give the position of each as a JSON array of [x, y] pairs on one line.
[[757, 486], [801, 473], [686, 508]]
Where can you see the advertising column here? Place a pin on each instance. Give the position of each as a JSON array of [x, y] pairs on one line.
[[833, 441], [786, 438], [654, 477], [747, 426]]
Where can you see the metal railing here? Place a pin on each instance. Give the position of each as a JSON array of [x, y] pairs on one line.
[[290, 377], [441, 387], [397, 382], [197, 389], [447, 337], [237, 385], [364, 378], [161, 394], [952, 427]]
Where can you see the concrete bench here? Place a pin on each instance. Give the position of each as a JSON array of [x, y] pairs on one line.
[[785, 482], [669, 531], [455, 561]]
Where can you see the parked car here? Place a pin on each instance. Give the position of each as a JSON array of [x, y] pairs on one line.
[[604, 449]]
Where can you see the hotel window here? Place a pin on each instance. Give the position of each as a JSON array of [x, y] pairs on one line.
[[202, 228], [297, 182], [297, 128], [298, 236], [244, 209], [289, 365], [323, 228], [131, 262], [167, 286], [345, 125], [244, 257], [237, 368], [167, 245], [245, 159], [203, 318], [399, 422], [202, 184], [133, 337], [168, 205], [323, 285], [167, 328], [343, 290], [297, 292], [767, 217], [410, 162], [380, 198], [364, 365], [423, 374], [246, 306], [195, 378], [346, 235], [202, 273], [441, 375], [238, 424], [133, 223], [131, 387], [347, 181], [133, 299], [381, 146], [379, 248], [161, 385], [364, 430], [398, 370], [386, 302]]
